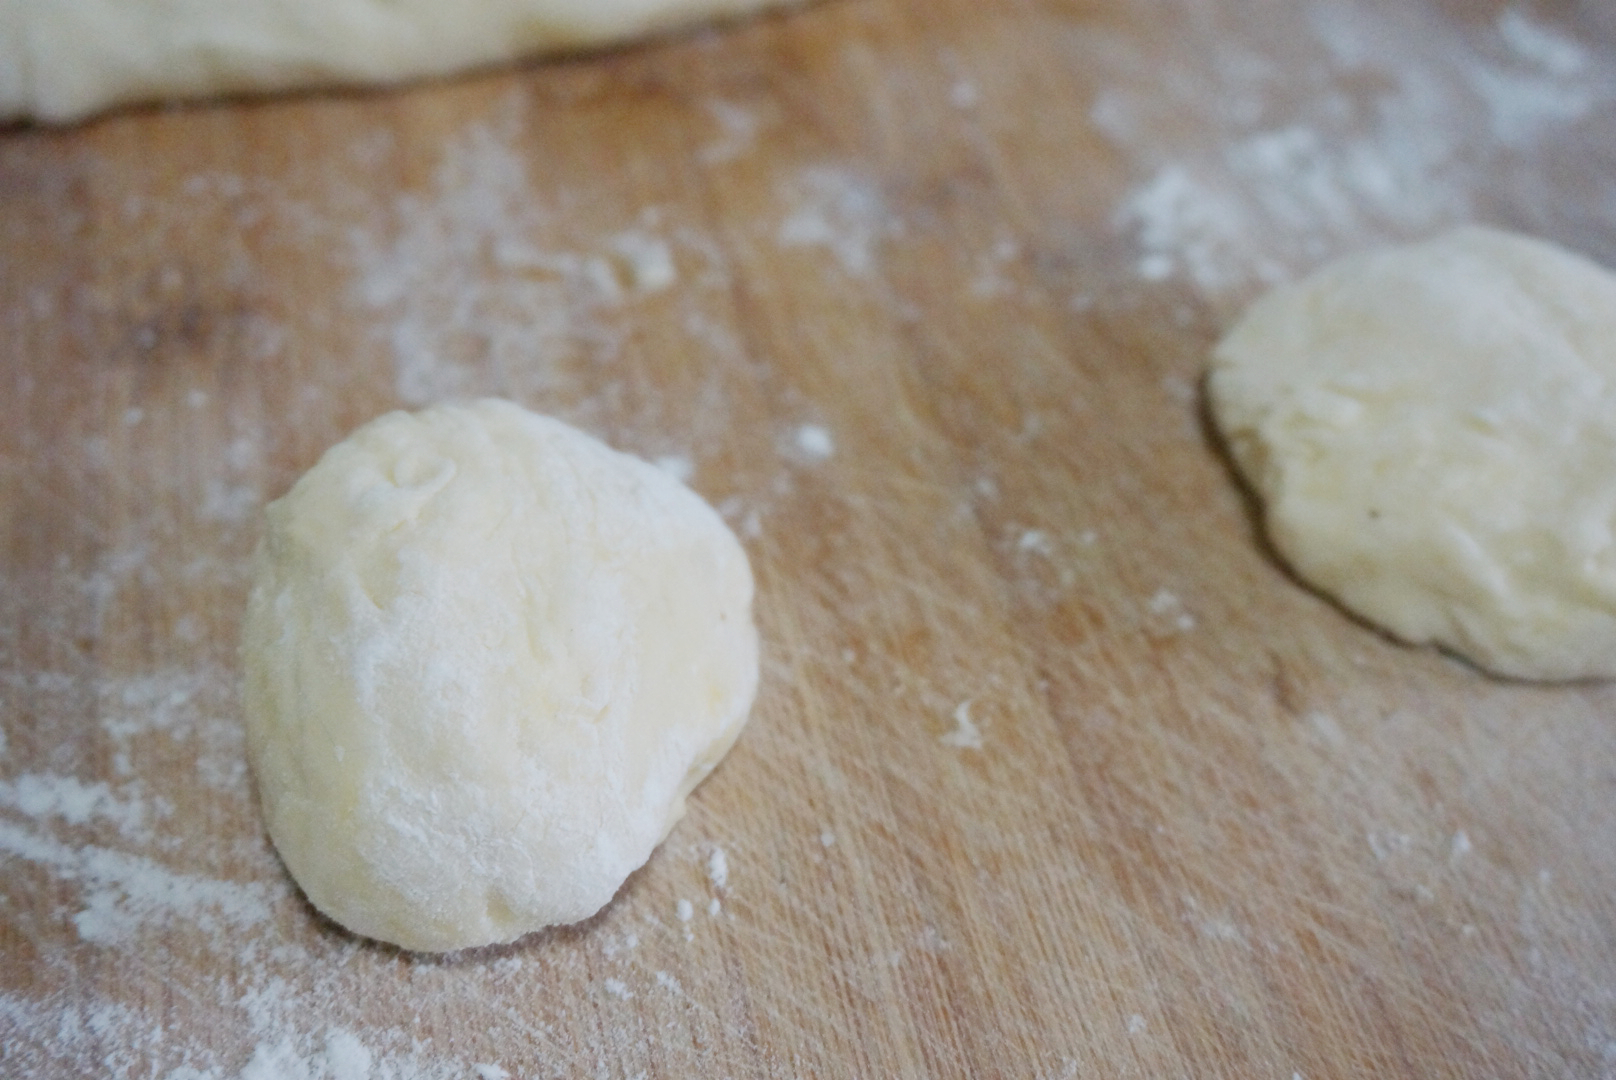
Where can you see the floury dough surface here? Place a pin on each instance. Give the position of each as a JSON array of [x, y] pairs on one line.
[[61, 60], [486, 658], [1432, 432]]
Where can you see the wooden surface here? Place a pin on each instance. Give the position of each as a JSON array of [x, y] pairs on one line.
[[1209, 826]]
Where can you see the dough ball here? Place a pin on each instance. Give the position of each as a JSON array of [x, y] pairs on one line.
[[62, 60], [486, 658], [1432, 432]]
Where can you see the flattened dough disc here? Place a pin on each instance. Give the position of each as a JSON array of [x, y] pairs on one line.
[[1432, 432]]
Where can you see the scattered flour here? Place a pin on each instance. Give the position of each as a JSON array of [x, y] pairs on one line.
[[841, 212], [966, 735], [1325, 727], [343, 1057], [453, 328], [467, 295], [1386, 844], [202, 912], [964, 94], [1544, 48], [127, 896], [1272, 187], [75, 802], [646, 261], [1037, 542], [815, 442], [685, 910], [718, 868], [1165, 602], [991, 279], [738, 130]]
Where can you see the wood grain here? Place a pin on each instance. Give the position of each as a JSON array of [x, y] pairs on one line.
[[1214, 827]]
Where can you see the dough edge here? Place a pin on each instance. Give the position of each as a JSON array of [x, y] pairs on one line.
[[62, 61]]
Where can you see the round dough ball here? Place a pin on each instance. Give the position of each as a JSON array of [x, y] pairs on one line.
[[486, 658], [62, 60], [1432, 432]]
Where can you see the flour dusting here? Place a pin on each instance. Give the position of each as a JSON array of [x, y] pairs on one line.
[[738, 129], [718, 868], [1380, 138], [44, 796], [965, 735], [470, 292], [841, 212], [815, 442]]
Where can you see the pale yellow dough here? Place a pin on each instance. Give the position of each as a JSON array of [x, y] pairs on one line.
[[1432, 432], [62, 60], [486, 658]]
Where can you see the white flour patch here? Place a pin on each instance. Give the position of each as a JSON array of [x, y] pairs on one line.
[[645, 261], [1165, 603], [1326, 729], [462, 294], [966, 735], [814, 442], [840, 212], [1385, 844], [229, 503], [346, 1056], [964, 94], [190, 706], [1381, 136], [342, 1057], [43, 796], [1209, 225], [126, 896], [991, 279], [718, 868], [1542, 47], [738, 129], [1036, 542], [469, 292], [1548, 85]]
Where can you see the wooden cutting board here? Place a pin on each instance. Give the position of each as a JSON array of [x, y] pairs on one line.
[[1055, 771]]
